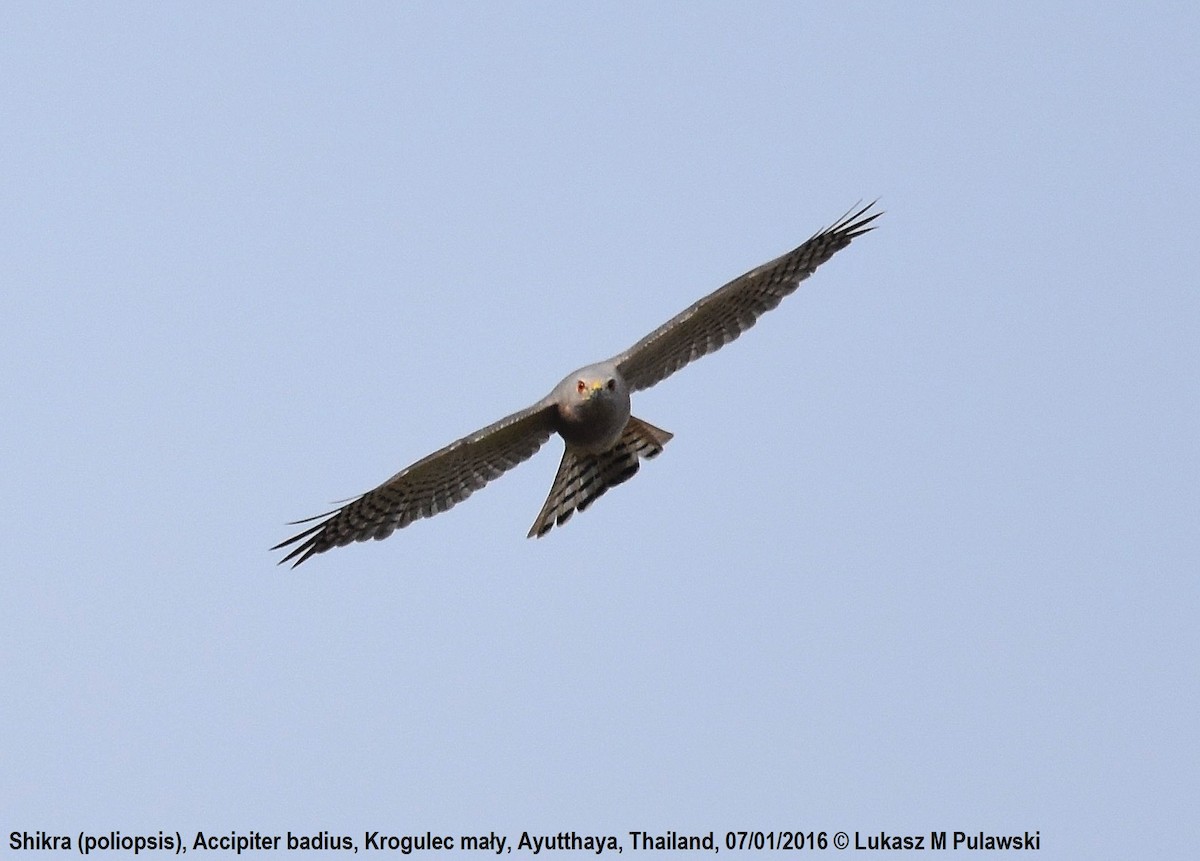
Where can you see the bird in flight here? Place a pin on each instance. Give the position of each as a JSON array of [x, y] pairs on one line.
[[589, 409]]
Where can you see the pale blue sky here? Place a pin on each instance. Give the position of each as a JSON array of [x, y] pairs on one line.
[[922, 555]]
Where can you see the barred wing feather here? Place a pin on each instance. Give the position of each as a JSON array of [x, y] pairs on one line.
[[721, 316], [430, 486]]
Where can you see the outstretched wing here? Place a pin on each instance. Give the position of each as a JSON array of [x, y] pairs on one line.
[[721, 316], [430, 486]]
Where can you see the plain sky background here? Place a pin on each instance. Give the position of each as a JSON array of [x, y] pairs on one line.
[[922, 555]]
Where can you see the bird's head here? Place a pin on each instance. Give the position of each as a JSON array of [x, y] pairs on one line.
[[596, 393], [587, 387]]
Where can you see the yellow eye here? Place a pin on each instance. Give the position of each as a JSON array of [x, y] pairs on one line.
[[581, 387]]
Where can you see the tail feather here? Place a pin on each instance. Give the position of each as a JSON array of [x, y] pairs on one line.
[[582, 478]]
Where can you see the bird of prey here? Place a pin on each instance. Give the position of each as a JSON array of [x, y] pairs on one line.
[[589, 409]]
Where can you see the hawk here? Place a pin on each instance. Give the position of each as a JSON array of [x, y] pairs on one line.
[[589, 409]]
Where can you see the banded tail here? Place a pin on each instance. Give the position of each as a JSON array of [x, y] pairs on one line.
[[583, 477]]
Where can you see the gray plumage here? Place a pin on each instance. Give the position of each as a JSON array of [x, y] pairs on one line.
[[589, 409]]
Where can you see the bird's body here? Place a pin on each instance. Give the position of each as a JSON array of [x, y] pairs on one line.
[[589, 409]]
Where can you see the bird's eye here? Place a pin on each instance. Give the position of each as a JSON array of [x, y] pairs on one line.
[[612, 384], [581, 387]]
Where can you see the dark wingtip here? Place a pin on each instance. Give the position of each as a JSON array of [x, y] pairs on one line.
[[853, 223], [296, 551], [309, 547], [304, 551]]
